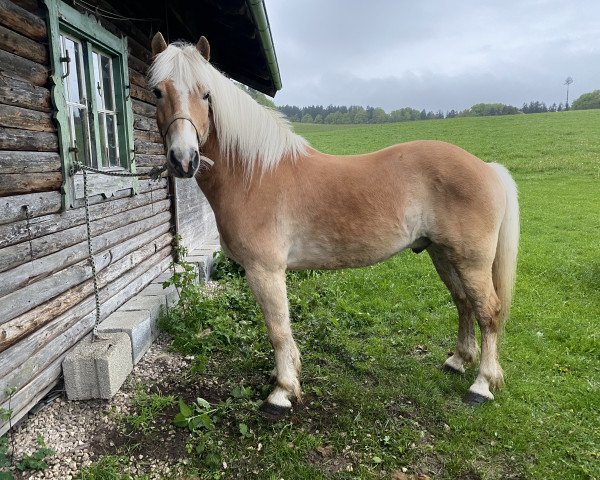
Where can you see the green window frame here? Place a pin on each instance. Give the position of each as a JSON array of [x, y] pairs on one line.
[[90, 94]]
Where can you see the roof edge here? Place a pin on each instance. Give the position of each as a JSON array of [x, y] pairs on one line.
[[257, 7]]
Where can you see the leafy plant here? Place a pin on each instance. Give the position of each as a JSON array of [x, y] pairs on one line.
[[37, 460], [201, 415], [147, 408], [225, 268], [184, 278]]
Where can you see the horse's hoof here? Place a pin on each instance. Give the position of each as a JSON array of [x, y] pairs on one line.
[[473, 399], [273, 412], [450, 369]]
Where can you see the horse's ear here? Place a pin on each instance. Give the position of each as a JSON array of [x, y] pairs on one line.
[[158, 44], [204, 48]]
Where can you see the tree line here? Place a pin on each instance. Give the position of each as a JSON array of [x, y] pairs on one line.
[[340, 114]]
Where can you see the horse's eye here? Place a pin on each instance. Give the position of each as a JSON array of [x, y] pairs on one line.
[[157, 93], [206, 96]]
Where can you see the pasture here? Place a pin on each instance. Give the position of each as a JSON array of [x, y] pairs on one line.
[[377, 404]]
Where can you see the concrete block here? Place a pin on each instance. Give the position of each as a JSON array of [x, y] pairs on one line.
[[204, 260], [138, 324], [163, 277], [169, 294], [151, 304], [97, 369]]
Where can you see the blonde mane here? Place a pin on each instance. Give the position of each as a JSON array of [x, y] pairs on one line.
[[256, 135]]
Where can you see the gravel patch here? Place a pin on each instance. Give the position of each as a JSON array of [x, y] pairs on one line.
[[81, 432]]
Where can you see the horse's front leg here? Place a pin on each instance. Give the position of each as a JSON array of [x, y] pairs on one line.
[[271, 294]]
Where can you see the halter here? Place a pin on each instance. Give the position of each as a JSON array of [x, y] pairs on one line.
[[198, 138], [181, 117]]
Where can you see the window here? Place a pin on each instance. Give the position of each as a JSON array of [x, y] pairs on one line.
[[90, 95]]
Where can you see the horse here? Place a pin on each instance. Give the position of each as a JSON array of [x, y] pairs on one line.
[[282, 205]]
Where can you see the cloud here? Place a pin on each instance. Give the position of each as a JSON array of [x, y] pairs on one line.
[[435, 54]]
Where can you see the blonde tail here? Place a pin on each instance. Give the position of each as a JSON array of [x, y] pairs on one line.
[[504, 270]]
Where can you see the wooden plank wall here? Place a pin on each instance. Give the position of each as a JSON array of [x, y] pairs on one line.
[[46, 288]]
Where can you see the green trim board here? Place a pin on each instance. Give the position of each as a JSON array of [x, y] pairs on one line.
[[257, 7], [65, 20]]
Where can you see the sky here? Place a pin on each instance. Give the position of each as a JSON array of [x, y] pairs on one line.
[[434, 54]]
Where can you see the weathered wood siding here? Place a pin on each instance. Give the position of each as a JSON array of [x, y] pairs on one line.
[[46, 288]]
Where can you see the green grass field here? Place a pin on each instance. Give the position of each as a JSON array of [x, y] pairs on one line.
[[373, 339]]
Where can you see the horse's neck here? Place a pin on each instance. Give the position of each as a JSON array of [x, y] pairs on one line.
[[218, 180]]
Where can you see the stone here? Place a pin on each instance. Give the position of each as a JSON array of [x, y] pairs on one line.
[[97, 369], [137, 324]]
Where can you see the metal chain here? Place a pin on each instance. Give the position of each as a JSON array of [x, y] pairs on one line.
[[154, 174], [91, 254]]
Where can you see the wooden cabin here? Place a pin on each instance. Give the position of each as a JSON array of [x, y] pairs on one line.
[[72, 88]]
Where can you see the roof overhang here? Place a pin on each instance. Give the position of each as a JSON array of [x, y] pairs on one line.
[[238, 32]]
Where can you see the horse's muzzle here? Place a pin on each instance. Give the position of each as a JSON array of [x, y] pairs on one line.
[[183, 164]]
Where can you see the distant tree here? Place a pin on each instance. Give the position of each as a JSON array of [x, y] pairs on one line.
[[535, 107], [379, 116], [423, 115], [318, 118], [360, 116], [560, 107], [568, 82], [333, 117], [552, 108], [307, 118], [587, 101], [451, 114]]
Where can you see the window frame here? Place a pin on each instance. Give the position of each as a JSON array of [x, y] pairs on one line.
[[66, 21]]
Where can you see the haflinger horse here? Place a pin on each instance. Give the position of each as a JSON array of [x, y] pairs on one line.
[[282, 205]]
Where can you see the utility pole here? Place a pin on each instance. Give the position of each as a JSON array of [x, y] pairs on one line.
[[568, 81]]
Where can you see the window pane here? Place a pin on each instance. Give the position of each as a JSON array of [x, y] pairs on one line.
[[111, 133], [80, 133], [97, 81], [107, 82], [103, 142], [74, 82]]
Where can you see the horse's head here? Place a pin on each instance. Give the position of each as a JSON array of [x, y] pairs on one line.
[[182, 101]]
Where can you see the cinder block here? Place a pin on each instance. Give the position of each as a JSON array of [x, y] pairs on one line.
[[97, 369], [163, 277], [204, 261], [151, 304], [138, 324], [169, 295]]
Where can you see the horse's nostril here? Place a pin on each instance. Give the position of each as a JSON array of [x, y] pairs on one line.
[[173, 158], [195, 160]]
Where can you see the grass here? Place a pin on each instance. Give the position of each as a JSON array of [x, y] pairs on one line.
[[373, 339]]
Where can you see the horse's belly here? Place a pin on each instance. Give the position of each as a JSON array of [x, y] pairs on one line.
[[331, 254]]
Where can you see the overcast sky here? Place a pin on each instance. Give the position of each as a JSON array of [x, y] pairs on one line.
[[434, 54]]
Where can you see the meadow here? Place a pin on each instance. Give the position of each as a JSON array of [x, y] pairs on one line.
[[377, 404]]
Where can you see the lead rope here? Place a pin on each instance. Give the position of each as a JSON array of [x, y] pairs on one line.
[[154, 174]]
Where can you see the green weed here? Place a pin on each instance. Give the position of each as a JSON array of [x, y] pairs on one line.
[[147, 406]]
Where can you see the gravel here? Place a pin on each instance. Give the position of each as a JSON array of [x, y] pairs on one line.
[[79, 432]]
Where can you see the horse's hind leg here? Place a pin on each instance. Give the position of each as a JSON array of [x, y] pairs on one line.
[[270, 291], [467, 349], [479, 287]]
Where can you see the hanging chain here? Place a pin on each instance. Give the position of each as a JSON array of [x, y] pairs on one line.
[[154, 174], [91, 254]]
